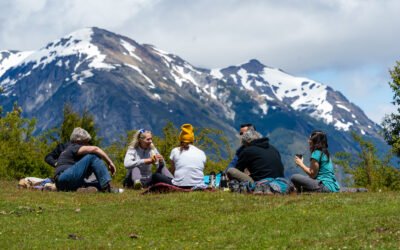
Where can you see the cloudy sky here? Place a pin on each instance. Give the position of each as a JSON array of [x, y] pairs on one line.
[[346, 44]]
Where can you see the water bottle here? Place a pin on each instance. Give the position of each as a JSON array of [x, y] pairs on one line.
[[212, 180], [224, 181]]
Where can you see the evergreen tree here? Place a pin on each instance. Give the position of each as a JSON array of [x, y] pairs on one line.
[[391, 123], [72, 119], [21, 154]]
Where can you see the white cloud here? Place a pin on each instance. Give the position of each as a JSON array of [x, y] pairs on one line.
[[342, 36], [30, 24]]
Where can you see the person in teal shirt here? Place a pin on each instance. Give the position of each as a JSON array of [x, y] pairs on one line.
[[321, 174]]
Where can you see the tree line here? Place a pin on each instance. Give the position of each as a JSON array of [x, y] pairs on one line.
[[22, 154]]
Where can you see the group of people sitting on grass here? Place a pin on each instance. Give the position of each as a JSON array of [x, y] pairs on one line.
[[254, 163]]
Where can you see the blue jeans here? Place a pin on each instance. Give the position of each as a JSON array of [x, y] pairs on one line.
[[73, 177]]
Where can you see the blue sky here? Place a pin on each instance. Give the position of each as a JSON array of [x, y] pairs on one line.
[[347, 44]]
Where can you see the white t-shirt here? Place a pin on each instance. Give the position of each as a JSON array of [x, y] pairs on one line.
[[189, 166]]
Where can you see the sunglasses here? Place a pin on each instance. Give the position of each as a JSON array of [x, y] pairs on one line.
[[142, 131]]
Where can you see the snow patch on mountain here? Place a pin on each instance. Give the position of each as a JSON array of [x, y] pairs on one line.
[[12, 59], [152, 85], [77, 43], [307, 94], [343, 107], [244, 79], [216, 73], [264, 108], [157, 97], [131, 49], [164, 56], [342, 125], [79, 78]]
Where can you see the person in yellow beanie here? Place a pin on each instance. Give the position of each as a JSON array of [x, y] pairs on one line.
[[186, 135], [187, 162]]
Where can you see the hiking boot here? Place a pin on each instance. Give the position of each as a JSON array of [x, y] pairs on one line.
[[137, 185], [89, 189], [234, 186]]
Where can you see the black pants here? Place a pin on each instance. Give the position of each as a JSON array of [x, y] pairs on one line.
[[160, 178]]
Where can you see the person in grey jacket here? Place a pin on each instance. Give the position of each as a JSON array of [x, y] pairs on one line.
[[140, 157]]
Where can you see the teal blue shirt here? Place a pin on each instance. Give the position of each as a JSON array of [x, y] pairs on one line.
[[326, 173]]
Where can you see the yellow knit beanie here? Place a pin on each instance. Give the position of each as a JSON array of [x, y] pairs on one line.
[[186, 134]]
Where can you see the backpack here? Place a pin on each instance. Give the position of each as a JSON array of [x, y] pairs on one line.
[[278, 185]]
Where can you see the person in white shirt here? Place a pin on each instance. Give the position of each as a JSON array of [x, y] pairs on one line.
[[139, 158], [187, 162]]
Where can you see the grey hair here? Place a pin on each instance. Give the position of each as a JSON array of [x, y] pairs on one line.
[[250, 135], [80, 135]]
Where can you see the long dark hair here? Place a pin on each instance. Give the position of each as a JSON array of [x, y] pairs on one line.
[[319, 142]]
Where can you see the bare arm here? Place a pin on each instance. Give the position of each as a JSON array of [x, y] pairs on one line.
[[99, 152], [311, 171], [172, 170]]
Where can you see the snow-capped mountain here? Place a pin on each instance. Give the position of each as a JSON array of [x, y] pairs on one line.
[[136, 85], [273, 86], [127, 85]]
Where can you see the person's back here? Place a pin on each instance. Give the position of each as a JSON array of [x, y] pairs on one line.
[[261, 159], [189, 166], [52, 157], [187, 162], [326, 172], [68, 157]]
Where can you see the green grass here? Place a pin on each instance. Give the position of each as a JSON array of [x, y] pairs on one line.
[[197, 220]]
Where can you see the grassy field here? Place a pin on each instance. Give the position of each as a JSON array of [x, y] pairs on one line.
[[197, 220]]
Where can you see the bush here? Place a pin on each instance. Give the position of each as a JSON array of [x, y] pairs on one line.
[[21, 154], [366, 169]]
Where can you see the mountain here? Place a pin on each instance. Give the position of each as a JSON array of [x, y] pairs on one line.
[[127, 85]]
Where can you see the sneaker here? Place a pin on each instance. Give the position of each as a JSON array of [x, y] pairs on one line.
[[234, 186], [137, 185], [109, 189], [89, 189], [116, 190]]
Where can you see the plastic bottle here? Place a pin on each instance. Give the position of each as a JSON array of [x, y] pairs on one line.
[[224, 181], [212, 180]]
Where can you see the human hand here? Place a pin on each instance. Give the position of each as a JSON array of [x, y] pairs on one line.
[[112, 168], [298, 160], [159, 157]]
